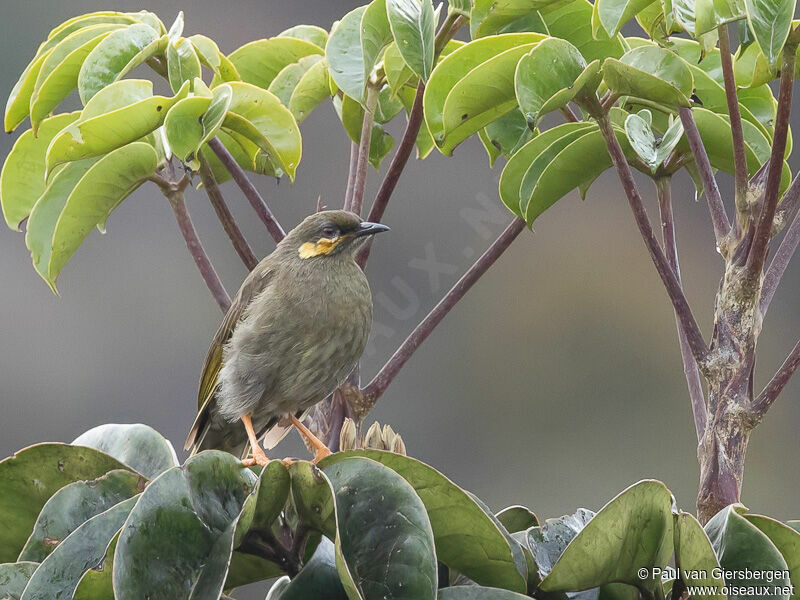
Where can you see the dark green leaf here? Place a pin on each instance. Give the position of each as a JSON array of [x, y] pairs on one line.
[[318, 579], [96, 583], [548, 542], [517, 518], [14, 577], [694, 554], [787, 541], [476, 592]]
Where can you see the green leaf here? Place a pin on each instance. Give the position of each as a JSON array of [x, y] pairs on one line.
[[70, 208], [183, 64], [611, 15], [384, 541], [177, 542], [693, 553], [267, 123], [345, 59], [504, 136], [710, 14], [375, 34], [550, 76], [259, 62], [650, 73], [352, 116], [209, 54], [786, 540], [424, 141], [741, 546], [14, 577], [116, 56], [33, 475], [517, 518], [572, 23], [312, 88], [59, 73], [194, 121], [61, 572], [73, 505], [318, 579], [490, 16], [643, 141], [548, 541], [770, 22], [22, 179], [139, 446], [97, 133], [272, 490], [308, 33], [96, 583], [476, 592], [467, 538], [631, 532], [286, 81], [413, 27], [18, 103], [176, 29]]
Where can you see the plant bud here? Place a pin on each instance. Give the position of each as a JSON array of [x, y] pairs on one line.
[[387, 436], [348, 437], [373, 439], [398, 447]]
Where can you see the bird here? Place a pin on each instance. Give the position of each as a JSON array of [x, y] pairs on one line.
[[293, 333]]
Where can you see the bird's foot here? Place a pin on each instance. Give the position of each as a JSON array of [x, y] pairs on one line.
[[258, 458], [321, 453], [287, 462]]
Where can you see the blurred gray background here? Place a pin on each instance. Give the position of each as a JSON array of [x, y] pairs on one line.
[[555, 383]]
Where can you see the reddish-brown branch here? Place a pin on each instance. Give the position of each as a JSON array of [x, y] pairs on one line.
[[360, 180], [674, 291], [351, 174], [248, 189], [737, 134], [690, 370], [381, 381], [773, 389], [225, 217]]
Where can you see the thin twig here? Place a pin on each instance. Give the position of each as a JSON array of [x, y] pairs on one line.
[[249, 190], [360, 181], [451, 25], [719, 217], [178, 203], [569, 115], [785, 251], [737, 134], [758, 251], [673, 287], [690, 370], [381, 381], [225, 217], [773, 389], [351, 174]]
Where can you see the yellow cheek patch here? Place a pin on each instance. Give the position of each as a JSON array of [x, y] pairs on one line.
[[319, 248]]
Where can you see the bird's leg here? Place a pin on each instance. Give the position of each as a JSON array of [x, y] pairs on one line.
[[321, 449], [259, 458]]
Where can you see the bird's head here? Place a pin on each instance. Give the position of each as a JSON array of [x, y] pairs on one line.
[[331, 233]]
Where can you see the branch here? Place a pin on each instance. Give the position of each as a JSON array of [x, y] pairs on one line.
[[758, 251], [360, 181], [351, 174], [739, 158], [719, 217], [381, 381], [249, 190], [225, 217], [690, 369], [785, 251], [773, 389], [174, 194], [682, 310]]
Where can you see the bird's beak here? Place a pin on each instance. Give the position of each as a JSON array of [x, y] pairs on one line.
[[367, 228]]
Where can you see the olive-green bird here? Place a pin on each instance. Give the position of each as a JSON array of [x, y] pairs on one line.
[[292, 335]]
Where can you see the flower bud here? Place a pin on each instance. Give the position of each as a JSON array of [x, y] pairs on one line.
[[373, 439], [348, 437], [398, 447]]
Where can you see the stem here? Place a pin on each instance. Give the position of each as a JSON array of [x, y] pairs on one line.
[[739, 159], [690, 369], [569, 115], [786, 250], [773, 389], [178, 203], [682, 310], [381, 381], [351, 174], [719, 217], [758, 251], [225, 217], [360, 180], [249, 190], [452, 23]]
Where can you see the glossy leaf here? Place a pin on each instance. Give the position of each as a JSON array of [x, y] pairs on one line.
[[352, 116], [550, 76], [194, 121], [33, 475], [96, 583], [572, 23], [384, 542], [95, 134], [786, 540], [633, 531], [309, 33], [311, 90], [183, 64], [61, 572], [210, 55], [345, 62], [643, 141], [139, 446], [286, 81], [770, 22], [177, 542], [710, 14], [491, 16], [517, 518], [693, 553], [413, 27], [740, 545], [14, 577], [115, 56], [318, 578], [476, 592], [259, 62], [468, 539], [73, 505], [611, 15], [650, 73], [18, 103], [505, 136], [22, 180], [272, 490], [375, 35]]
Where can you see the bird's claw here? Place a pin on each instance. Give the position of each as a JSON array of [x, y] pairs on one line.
[[259, 458]]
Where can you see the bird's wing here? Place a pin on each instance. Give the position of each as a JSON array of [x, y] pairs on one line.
[[253, 285]]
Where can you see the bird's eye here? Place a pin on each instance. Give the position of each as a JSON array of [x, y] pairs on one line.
[[329, 231]]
